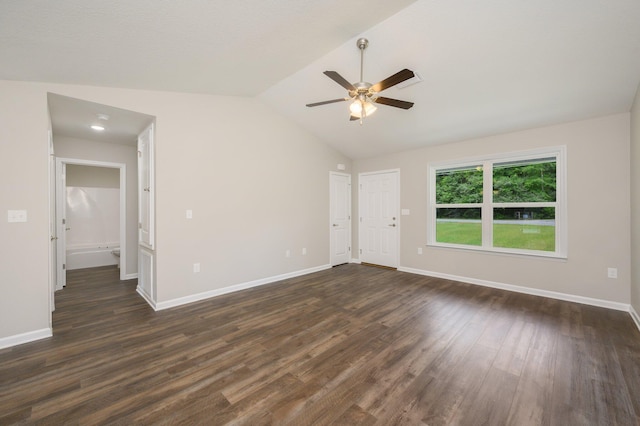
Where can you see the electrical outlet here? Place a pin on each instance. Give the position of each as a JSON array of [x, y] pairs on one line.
[[189, 214], [287, 253], [612, 272], [196, 268], [304, 251], [419, 250]]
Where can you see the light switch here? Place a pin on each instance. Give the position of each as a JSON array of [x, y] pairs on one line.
[[16, 215], [189, 214], [406, 212]]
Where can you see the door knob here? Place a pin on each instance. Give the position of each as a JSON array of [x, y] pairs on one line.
[[67, 229], [393, 224], [53, 238], [335, 224]]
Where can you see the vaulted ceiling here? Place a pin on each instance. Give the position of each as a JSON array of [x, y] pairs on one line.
[[487, 67]]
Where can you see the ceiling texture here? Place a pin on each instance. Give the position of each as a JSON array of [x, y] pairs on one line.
[[487, 66]]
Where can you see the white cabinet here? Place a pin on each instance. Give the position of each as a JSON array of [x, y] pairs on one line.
[[146, 189], [146, 275], [146, 216]]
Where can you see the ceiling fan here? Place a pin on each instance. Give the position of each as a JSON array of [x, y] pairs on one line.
[[365, 95]]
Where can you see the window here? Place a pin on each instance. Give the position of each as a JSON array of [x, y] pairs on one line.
[[512, 203]]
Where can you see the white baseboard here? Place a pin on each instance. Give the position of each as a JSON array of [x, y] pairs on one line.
[[353, 260], [526, 290], [242, 286], [131, 276], [635, 316], [146, 297], [30, 336]]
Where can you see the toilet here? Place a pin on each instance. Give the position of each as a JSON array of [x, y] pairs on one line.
[[116, 252]]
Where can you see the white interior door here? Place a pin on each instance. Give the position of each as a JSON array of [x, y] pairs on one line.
[[61, 224], [53, 261], [340, 220], [146, 189], [379, 218]]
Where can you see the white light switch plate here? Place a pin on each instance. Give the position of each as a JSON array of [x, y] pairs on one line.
[[406, 212], [16, 215]]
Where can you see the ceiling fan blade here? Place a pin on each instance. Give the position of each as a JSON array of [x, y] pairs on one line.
[[328, 102], [353, 118], [398, 77], [393, 102], [340, 80]]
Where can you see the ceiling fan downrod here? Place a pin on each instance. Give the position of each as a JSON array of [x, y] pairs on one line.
[[362, 44]]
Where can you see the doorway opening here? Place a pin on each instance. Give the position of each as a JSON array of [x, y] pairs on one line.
[[90, 216], [96, 137]]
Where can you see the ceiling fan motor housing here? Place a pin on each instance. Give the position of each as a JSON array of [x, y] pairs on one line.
[[362, 88]]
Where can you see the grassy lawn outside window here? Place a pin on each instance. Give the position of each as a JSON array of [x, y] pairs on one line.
[[512, 203]]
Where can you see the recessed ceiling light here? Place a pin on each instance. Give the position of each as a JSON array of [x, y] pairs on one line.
[[97, 127], [104, 117]]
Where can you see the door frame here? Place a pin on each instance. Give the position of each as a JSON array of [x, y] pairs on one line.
[[60, 198], [53, 231], [349, 208], [360, 233]]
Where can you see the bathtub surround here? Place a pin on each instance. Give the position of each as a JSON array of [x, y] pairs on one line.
[[92, 256], [93, 216]]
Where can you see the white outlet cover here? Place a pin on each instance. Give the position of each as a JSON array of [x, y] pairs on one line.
[[189, 214]]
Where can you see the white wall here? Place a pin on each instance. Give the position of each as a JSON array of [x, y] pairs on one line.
[[598, 209], [66, 147], [24, 305], [635, 204], [257, 184], [93, 176]]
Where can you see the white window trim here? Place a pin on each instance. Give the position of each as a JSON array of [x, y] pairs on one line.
[[561, 231]]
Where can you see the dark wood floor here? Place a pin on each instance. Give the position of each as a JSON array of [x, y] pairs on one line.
[[350, 345]]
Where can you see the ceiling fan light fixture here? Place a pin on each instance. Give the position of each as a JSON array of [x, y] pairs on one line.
[[356, 108], [97, 127]]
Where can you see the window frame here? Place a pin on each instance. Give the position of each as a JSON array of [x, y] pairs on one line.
[[487, 206]]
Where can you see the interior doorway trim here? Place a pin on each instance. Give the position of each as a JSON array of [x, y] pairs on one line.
[[123, 203]]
